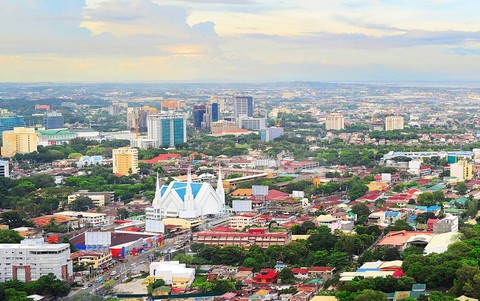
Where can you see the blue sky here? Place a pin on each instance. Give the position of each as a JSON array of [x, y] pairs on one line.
[[239, 40]]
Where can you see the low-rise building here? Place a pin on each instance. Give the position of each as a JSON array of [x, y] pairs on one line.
[[172, 272], [241, 221], [254, 236], [99, 199], [86, 219], [94, 259]]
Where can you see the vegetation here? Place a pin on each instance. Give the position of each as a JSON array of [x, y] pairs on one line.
[[47, 285]]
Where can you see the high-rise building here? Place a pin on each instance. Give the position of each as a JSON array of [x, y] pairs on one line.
[[271, 133], [335, 121], [223, 125], [394, 123], [32, 258], [243, 105], [19, 141], [461, 170], [4, 169], [251, 123], [7, 123], [198, 115], [125, 161], [167, 130], [139, 115], [53, 120]]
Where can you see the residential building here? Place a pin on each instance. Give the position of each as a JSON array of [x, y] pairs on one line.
[[254, 236], [55, 137], [99, 199], [19, 141], [86, 219], [461, 170], [8, 123], [241, 221], [137, 117], [53, 120], [32, 258], [173, 273], [4, 169], [394, 123], [335, 121], [243, 105], [223, 125], [125, 161], [251, 123], [167, 130]]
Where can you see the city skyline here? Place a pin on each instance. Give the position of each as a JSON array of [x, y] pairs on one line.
[[239, 41]]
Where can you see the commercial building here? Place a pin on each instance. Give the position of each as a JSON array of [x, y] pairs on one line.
[[19, 141], [137, 117], [222, 126], [4, 169], [7, 123], [394, 123], [271, 133], [86, 219], [125, 161], [173, 273], [335, 121], [95, 259], [53, 120], [251, 123], [243, 105], [33, 258], [55, 137], [167, 130], [198, 113], [243, 239], [212, 114], [99, 199], [461, 170]]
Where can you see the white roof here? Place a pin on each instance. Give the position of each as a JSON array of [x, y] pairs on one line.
[[440, 242], [77, 213]]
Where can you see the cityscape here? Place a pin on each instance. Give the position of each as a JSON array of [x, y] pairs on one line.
[[241, 150]]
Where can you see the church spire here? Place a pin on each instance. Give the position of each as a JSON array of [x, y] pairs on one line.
[[158, 195], [220, 190], [188, 201]]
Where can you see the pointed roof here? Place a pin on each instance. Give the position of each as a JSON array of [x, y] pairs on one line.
[[158, 194]]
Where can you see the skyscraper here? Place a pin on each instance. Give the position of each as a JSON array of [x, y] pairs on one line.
[[243, 105], [394, 123], [138, 117], [335, 121], [198, 115], [7, 123], [167, 130], [19, 141], [53, 120], [125, 161]]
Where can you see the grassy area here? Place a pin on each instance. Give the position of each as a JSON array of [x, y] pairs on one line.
[[198, 280]]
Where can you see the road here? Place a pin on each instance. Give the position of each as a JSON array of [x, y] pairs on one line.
[[134, 265]]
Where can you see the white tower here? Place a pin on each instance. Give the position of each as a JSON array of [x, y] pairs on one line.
[[220, 190], [188, 201], [157, 200]]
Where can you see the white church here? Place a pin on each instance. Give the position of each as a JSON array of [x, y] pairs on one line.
[[187, 199]]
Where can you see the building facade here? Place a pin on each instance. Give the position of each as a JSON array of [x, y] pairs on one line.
[[138, 117], [4, 169], [223, 125], [33, 258], [167, 130], [461, 170], [243, 239], [198, 113], [243, 105], [335, 121], [394, 123], [251, 123], [99, 199], [7, 123], [55, 137], [125, 161], [53, 120], [19, 141]]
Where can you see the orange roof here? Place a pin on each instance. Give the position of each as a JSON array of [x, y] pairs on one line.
[[43, 221], [399, 238], [242, 192]]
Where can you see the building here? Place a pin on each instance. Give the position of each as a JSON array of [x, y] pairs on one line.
[[394, 123], [86, 219], [186, 200], [94, 259], [222, 126], [198, 113], [167, 130], [461, 170], [251, 123], [212, 114], [243, 105], [32, 258], [4, 169], [7, 123], [53, 120], [271, 133], [137, 117], [241, 221], [254, 236], [335, 121], [19, 141], [55, 137], [173, 273], [125, 161], [171, 104], [99, 199]]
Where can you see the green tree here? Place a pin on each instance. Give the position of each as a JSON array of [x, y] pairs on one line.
[[461, 188], [122, 213], [86, 297], [357, 191], [10, 237], [371, 295], [14, 219], [286, 276], [82, 203]]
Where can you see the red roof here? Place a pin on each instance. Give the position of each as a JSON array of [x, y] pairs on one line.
[[43, 221], [122, 221], [223, 229], [300, 270], [161, 157], [273, 194], [398, 273], [320, 269]]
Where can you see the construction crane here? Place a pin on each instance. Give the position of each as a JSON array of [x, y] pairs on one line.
[[279, 120]]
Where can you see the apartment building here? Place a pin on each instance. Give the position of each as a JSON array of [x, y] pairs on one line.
[[125, 161], [99, 199], [20, 140], [394, 123], [335, 121], [240, 221]]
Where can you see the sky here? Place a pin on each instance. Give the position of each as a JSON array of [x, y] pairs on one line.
[[239, 40]]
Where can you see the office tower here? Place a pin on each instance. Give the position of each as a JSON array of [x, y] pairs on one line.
[[251, 123], [461, 170], [394, 123], [125, 161], [335, 121], [198, 115], [19, 141], [243, 105], [53, 120], [4, 169], [167, 130], [32, 258], [212, 114], [7, 123], [222, 102], [138, 117]]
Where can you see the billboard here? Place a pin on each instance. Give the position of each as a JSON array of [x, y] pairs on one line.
[[154, 226], [242, 205], [98, 238], [259, 190]]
